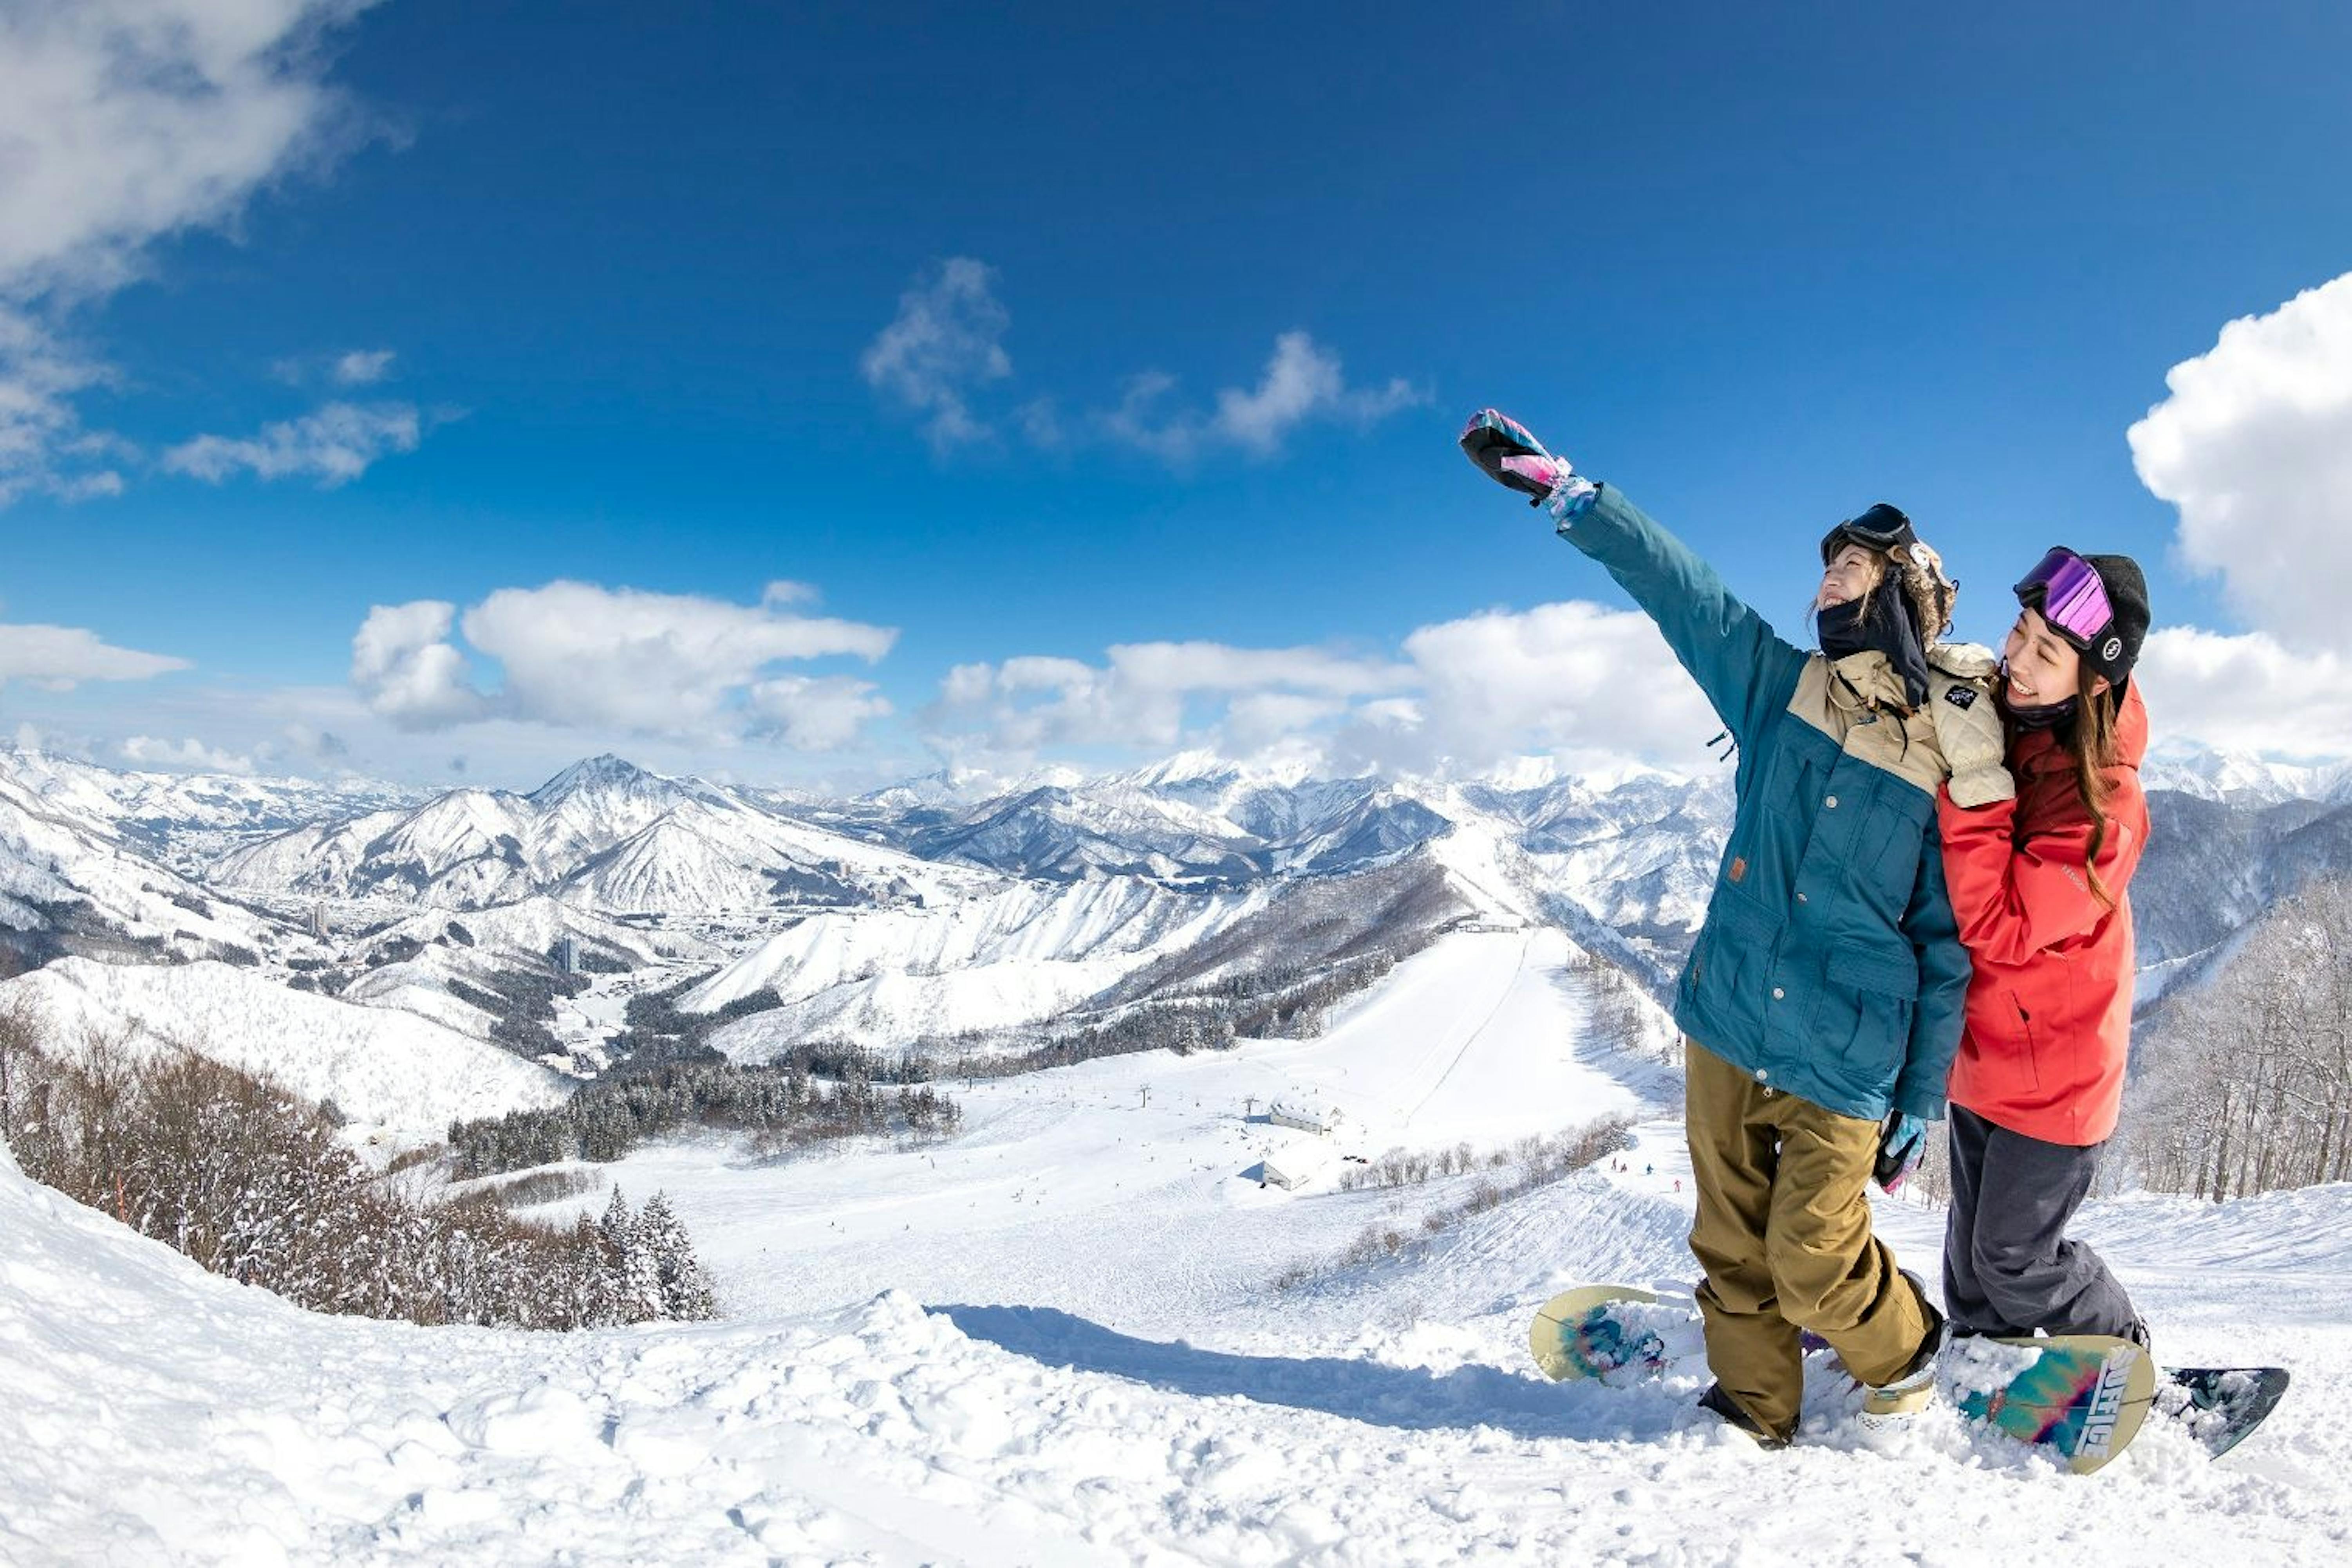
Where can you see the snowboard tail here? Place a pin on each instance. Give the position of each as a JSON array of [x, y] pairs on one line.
[[2220, 1406]]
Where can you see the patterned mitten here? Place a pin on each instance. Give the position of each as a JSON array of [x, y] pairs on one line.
[[1507, 452]]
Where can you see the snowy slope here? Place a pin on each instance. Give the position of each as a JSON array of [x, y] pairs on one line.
[[1079, 1187], [1076, 1360], [393, 1073], [1019, 955], [533, 926]]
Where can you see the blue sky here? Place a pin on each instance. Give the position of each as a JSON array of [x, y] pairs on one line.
[[1028, 339]]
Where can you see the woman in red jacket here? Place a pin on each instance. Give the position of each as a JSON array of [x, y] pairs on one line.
[[2043, 822]]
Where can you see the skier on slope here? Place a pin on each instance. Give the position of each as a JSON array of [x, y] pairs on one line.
[[2043, 822], [1822, 1003]]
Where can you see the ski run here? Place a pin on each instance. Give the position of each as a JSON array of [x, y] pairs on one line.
[[1054, 1338]]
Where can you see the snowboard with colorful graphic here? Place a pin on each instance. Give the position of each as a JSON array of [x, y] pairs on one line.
[[1617, 1333], [2218, 1407], [2080, 1396]]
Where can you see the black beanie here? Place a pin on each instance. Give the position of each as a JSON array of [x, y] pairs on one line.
[[2126, 585]]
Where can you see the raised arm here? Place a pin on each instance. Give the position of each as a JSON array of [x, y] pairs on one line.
[[1742, 665], [1745, 668]]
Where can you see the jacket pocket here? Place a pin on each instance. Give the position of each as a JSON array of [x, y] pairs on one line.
[[1864, 1016], [1728, 965], [1896, 838]]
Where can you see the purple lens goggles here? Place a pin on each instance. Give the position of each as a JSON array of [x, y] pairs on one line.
[[2066, 589]]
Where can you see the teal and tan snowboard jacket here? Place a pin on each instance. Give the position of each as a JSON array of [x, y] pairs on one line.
[[1829, 965]]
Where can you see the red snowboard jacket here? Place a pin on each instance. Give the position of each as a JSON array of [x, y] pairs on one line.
[[2048, 1008]]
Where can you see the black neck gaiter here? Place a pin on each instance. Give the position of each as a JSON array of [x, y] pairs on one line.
[[1886, 628], [2058, 716]]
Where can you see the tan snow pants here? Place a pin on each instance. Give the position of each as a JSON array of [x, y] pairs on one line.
[[1783, 1233]]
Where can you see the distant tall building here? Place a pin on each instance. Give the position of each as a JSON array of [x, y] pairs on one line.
[[319, 921], [567, 954]]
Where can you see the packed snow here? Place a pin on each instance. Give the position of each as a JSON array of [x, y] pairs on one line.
[[1054, 1339]]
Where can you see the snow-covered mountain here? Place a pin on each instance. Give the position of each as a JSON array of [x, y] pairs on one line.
[[1194, 818], [1065, 832], [1022, 955], [188, 820], [71, 884], [603, 834], [921, 913], [720, 854], [2211, 866], [2236, 778]]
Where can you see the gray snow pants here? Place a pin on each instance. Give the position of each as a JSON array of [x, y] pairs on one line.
[[2007, 1266]]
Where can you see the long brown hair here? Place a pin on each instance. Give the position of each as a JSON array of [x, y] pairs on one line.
[[2090, 740]]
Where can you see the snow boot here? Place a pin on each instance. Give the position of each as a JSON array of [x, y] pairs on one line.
[[1889, 1406], [1739, 1420]]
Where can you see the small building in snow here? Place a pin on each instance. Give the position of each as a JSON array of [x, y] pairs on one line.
[[1271, 1172], [1305, 1119]]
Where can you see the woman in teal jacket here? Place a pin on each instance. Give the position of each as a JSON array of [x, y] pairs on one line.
[[1822, 1000]]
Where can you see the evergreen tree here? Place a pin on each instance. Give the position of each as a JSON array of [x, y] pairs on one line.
[[586, 1289], [635, 1279], [686, 1290]]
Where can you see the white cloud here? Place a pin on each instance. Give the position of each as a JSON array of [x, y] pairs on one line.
[[1570, 679], [42, 447], [946, 340], [1262, 722], [1572, 676], [2253, 445], [1143, 420], [408, 672], [1141, 695], [822, 713], [2247, 693], [335, 445], [362, 367], [123, 121], [1213, 667], [580, 656], [324, 745], [1302, 383], [946, 345], [59, 658], [145, 750], [1041, 423]]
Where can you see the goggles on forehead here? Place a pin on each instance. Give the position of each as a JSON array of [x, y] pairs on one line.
[[1882, 528], [2068, 592]]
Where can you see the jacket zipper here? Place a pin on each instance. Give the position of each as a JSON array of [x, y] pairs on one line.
[[2032, 1056]]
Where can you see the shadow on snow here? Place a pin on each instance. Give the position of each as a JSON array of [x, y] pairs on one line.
[[1411, 1398]]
